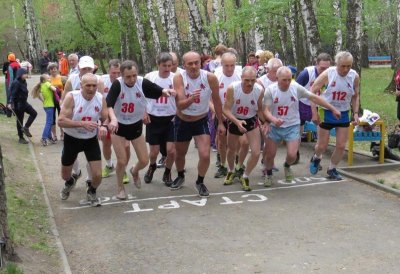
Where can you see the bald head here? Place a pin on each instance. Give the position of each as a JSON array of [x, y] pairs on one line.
[[190, 55], [249, 71], [274, 64], [284, 75], [283, 72], [88, 77]]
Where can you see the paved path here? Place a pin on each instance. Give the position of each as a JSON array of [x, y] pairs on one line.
[[311, 226]]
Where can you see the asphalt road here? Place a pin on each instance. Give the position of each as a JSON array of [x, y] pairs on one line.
[[311, 226]]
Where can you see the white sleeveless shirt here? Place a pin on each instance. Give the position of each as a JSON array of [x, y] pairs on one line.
[[85, 110], [285, 104], [266, 82], [131, 103], [224, 82], [190, 85], [76, 81], [107, 84], [163, 106], [311, 78], [245, 104], [340, 89]]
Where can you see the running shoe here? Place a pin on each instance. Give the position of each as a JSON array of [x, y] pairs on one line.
[[177, 183], [245, 184], [23, 141], [125, 179], [314, 165], [161, 162], [268, 182], [239, 172], [44, 142], [106, 171], [26, 131], [333, 174], [64, 194], [167, 179], [202, 189], [221, 172], [92, 199], [229, 178], [148, 177], [288, 174]]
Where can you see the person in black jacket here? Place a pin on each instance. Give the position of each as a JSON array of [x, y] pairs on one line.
[[44, 62], [19, 101]]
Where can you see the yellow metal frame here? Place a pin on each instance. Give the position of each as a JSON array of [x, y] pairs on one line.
[[382, 127]]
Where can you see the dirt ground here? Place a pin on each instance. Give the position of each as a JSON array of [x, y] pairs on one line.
[[389, 178]]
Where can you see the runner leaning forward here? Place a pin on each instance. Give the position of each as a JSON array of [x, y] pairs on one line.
[[80, 115], [127, 104]]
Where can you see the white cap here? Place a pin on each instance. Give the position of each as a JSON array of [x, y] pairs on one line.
[[86, 62], [258, 52]]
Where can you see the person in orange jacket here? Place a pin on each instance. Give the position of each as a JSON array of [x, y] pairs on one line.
[[63, 66]]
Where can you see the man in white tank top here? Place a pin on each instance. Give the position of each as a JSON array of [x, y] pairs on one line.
[[113, 73], [226, 76], [281, 109], [266, 80], [343, 92], [194, 88], [243, 108], [85, 65], [82, 117], [306, 78], [161, 112], [126, 103]]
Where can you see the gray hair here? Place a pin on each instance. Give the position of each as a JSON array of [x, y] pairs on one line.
[[283, 70], [163, 57], [129, 64], [73, 56], [114, 63], [88, 76], [227, 55], [274, 63], [342, 55], [249, 68]]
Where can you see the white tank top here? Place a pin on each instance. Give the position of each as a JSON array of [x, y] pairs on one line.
[[107, 84], [340, 89], [201, 106], [76, 81], [163, 106], [85, 110], [245, 104], [285, 104], [131, 103], [224, 82], [266, 82], [311, 78]]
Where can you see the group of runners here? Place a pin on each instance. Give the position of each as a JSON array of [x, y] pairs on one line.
[[174, 104]]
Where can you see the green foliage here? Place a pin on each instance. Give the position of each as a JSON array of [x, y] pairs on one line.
[[11, 268]]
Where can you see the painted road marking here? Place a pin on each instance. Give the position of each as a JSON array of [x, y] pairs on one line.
[[106, 201]]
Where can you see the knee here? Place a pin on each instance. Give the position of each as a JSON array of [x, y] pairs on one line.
[[121, 160], [255, 153], [171, 153]]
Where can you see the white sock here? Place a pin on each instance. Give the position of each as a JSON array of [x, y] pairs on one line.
[[331, 166], [89, 173], [109, 162], [75, 167], [245, 175]]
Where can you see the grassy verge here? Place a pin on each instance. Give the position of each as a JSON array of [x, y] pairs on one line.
[[27, 212]]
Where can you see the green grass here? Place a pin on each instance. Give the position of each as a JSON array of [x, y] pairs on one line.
[[381, 181], [11, 269], [27, 212]]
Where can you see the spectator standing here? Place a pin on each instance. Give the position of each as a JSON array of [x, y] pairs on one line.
[[63, 66], [44, 61]]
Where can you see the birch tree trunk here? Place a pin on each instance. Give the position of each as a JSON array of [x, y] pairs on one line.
[[301, 57], [224, 32], [289, 20], [216, 13], [173, 30], [4, 234], [282, 40], [141, 35], [194, 12], [16, 31], [153, 25], [337, 13], [392, 86], [32, 35], [353, 41], [242, 38], [311, 28], [122, 33], [258, 35], [192, 35]]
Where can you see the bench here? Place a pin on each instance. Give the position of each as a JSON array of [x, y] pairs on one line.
[[369, 136], [379, 60]]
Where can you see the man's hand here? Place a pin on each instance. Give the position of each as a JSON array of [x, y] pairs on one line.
[[113, 126], [146, 118], [356, 119], [265, 129], [221, 128], [195, 96], [89, 125], [277, 122], [241, 127], [336, 113], [102, 133]]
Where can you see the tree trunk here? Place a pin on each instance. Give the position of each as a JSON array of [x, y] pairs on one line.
[[4, 234], [282, 40], [34, 45], [141, 35], [194, 13], [311, 28], [169, 23], [192, 35], [242, 38], [153, 25], [224, 32], [289, 20], [16, 32], [216, 12], [258, 35], [353, 41], [301, 57], [364, 48], [392, 85], [122, 33], [337, 13]]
